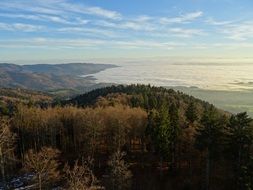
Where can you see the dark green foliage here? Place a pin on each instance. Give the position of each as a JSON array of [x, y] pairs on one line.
[[210, 133], [240, 134], [3, 109], [240, 141], [191, 113], [246, 175], [162, 134], [175, 131], [210, 138], [145, 96]]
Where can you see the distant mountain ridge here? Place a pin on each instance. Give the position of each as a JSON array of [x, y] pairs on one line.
[[49, 76], [57, 69]]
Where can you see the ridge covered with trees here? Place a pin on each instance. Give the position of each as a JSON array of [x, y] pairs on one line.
[[64, 79], [126, 137]]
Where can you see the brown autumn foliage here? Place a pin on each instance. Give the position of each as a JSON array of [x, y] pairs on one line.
[[82, 132], [120, 177], [44, 165], [79, 131], [7, 139], [116, 122], [81, 177]]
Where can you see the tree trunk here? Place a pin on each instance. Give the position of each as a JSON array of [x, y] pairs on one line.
[[161, 166], [2, 167], [238, 184], [207, 180], [40, 181]]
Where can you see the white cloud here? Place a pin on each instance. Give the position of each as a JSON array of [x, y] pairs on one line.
[[181, 32], [50, 42], [211, 21], [55, 19], [88, 31], [127, 25], [233, 29], [137, 26], [139, 23], [143, 18], [81, 43], [186, 18], [46, 18], [88, 43], [21, 16], [152, 28], [20, 27], [240, 31], [4, 26], [58, 7], [26, 27], [82, 21], [73, 15], [102, 12]]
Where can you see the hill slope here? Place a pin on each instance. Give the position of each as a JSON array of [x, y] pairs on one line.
[[49, 77], [10, 98], [144, 96]]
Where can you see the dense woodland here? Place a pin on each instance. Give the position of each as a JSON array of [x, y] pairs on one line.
[[125, 137]]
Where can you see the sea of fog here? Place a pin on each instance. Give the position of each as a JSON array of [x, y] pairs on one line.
[[228, 86], [219, 76]]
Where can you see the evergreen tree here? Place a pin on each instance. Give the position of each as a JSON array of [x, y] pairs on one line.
[[160, 131], [240, 143], [152, 101], [246, 177], [162, 134], [209, 138], [174, 133], [191, 113]]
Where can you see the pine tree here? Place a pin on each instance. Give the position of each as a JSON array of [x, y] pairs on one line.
[[162, 134], [160, 131], [240, 142], [174, 133], [209, 138], [246, 175], [191, 113]]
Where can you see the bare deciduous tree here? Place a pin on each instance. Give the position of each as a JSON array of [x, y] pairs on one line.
[[120, 175], [7, 139], [81, 177], [44, 164]]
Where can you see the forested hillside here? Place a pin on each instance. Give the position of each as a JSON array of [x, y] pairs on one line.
[[45, 77], [126, 137], [10, 98]]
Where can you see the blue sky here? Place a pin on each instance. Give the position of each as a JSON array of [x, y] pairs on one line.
[[45, 31]]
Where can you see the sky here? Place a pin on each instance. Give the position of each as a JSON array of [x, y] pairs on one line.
[[51, 31]]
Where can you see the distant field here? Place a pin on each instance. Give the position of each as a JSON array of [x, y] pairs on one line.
[[233, 101]]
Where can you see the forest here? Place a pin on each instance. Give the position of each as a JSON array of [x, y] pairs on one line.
[[121, 137]]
